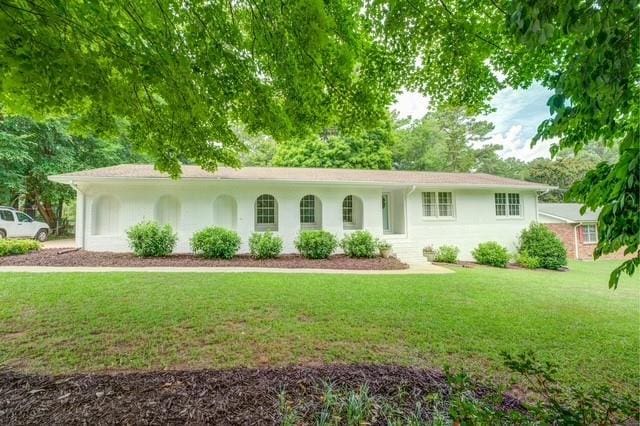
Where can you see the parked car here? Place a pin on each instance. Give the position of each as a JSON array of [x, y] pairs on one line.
[[16, 224]]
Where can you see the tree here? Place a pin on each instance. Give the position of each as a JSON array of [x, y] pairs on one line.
[[561, 172], [31, 151], [488, 161], [368, 150], [177, 74], [441, 141]]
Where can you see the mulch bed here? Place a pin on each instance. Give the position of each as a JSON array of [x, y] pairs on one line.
[[54, 257], [237, 396]]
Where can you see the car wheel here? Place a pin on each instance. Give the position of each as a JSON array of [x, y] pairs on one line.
[[42, 235], [3, 234]]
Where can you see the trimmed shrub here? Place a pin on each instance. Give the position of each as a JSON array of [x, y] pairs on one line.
[[491, 253], [11, 247], [447, 254], [215, 243], [359, 244], [265, 245], [525, 260], [539, 242], [316, 244], [149, 239]]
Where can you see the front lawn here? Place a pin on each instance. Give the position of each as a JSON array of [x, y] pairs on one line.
[[57, 323]]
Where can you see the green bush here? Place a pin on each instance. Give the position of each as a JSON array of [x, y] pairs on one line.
[[149, 239], [539, 242], [447, 254], [491, 253], [265, 245], [11, 247], [525, 260], [316, 244], [215, 243], [359, 244]]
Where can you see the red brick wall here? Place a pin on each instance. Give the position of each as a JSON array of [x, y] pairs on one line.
[[565, 232]]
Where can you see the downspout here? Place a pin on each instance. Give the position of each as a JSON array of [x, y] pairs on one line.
[[406, 210], [84, 210], [575, 240]]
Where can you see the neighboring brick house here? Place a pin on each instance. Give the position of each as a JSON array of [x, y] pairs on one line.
[[579, 233]]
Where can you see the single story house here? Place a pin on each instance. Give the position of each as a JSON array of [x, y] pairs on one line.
[[578, 232], [408, 209]]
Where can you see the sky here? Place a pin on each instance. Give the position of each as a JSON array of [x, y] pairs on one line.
[[516, 118]]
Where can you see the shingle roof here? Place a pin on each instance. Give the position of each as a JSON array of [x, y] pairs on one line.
[[315, 175], [568, 211]]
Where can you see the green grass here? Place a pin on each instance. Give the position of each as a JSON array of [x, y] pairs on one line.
[[58, 323]]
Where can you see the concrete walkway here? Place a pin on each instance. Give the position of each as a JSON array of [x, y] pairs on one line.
[[59, 244], [425, 268]]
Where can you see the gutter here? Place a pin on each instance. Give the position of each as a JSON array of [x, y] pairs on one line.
[[575, 240], [406, 210]]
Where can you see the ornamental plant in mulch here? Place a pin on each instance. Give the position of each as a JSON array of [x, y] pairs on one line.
[[447, 254], [492, 254], [541, 243], [150, 239], [215, 243], [265, 245], [316, 244], [359, 244], [13, 247]]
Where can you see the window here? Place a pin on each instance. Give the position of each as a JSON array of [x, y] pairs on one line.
[[347, 209], [437, 204], [6, 215], [266, 213], [590, 234], [167, 211], [23, 217], [106, 212], [308, 209], [507, 204]]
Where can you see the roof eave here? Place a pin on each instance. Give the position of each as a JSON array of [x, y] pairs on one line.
[[71, 179]]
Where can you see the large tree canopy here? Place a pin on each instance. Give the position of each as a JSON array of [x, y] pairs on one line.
[[177, 73]]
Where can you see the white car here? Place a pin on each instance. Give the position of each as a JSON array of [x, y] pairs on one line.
[[16, 224]]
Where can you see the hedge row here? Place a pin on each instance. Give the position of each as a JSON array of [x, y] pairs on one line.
[[149, 239]]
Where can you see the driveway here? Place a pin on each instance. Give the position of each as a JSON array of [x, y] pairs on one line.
[[59, 244]]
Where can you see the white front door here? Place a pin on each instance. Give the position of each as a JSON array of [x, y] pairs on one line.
[[386, 213]]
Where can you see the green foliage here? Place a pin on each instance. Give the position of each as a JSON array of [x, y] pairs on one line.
[[539, 242], [316, 244], [491, 253], [365, 150], [359, 244], [561, 172], [384, 245], [524, 259], [11, 247], [285, 70], [149, 239], [447, 254], [569, 405], [31, 151], [440, 141], [265, 245], [215, 243]]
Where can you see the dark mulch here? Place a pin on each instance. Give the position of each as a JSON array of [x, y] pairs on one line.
[[238, 396], [53, 257]]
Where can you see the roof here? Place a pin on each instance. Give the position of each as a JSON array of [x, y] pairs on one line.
[[569, 212], [307, 175]]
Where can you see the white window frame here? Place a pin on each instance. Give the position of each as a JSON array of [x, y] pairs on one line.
[[308, 210], [260, 212], [507, 204], [436, 205], [347, 210], [584, 233]]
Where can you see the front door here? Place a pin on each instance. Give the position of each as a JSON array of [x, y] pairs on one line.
[[386, 218]]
